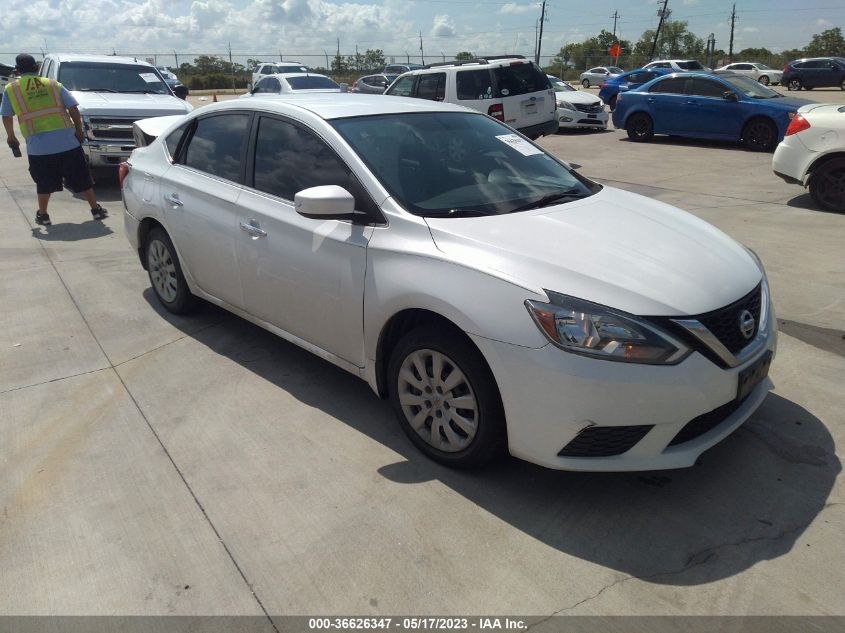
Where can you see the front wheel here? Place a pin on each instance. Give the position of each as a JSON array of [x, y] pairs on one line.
[[446, 399], [165, 273], [764, 80], [794, 84], [842, 85], [586, 83], [827, 185], [640, 127], [760, 135]]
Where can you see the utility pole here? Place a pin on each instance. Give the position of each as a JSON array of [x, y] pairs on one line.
[[357, 59], [540, 36], [711, 49], [443, 55], [663, 13], [176, 58], [281, 57], [422, 54], [231, 65], [615, 17], [326, 53], [731, 47]]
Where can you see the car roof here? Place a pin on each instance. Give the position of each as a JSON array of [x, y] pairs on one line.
[[69, 57], [296, 74], [337, 105]]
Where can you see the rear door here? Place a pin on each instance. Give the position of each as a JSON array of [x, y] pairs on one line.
[[667, 104], [431, 86], [525, 93]]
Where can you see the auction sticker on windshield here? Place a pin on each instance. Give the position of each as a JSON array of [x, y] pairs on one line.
[[150, 78], [519, 144]]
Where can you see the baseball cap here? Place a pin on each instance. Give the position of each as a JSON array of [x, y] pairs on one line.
[[25, 63]]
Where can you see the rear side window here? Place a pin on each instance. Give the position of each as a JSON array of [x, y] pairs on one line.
[[690, 65], [474, 84], [519, 79], [172, 140], [217, 144], [432, 86], [640, 78], [674, 85]]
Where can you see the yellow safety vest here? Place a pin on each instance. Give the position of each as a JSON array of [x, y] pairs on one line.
[[37, 102]]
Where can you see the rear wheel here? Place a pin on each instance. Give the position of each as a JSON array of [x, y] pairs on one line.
[[640, 127], [794, 84], [165, 273], [842, 85], [760, 135], [446, 399], [827, 185], [764, 80], [586, 83]]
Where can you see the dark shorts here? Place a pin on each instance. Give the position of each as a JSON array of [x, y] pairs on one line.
[[48, 171]]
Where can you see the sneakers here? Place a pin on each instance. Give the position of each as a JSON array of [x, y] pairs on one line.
[[99, 213], [42, 218]]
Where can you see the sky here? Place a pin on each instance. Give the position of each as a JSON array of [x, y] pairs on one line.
[[307, 30]]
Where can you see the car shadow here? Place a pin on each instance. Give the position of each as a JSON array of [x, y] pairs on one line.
[[682, 141], [71, 232], [805, 201], [583, 131], [749, 499]]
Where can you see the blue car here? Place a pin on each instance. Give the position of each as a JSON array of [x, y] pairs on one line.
[[721, 107], [631, 79]]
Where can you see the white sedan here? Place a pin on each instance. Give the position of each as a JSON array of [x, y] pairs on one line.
[[757, 72], [812, 154], [293, 83], [480, 291], [577, 109]]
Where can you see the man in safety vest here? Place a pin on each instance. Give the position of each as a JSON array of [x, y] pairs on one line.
[[49, 120]]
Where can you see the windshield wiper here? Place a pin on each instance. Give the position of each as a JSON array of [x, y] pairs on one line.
[[144, 92], [96, 90], [459, 213], [574, 194]]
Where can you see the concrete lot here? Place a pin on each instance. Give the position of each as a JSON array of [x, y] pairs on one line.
[[161, 465]]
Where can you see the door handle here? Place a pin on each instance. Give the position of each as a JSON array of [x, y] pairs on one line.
[[252, 229], [173, 199], [651, 99], [691, 102]]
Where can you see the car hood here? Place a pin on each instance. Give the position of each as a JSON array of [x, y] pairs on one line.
[[786, 103], [821, 108], [123, 104], [614, 248], [576, 97]]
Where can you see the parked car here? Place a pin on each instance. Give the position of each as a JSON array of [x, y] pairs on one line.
[[757, 72], [699, 105], [373, 84], [113, 93], [398, 69], [291, 83], [598, 75], [576, 109], [812, 154], [512, 89], [5, 74], [627, 81], [814, 72], [418, 245], [262, 69], [678, 65], [172, 81]]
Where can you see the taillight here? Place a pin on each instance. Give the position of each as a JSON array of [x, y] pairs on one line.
[[354, 85], [497, 111], [785, 68], [122, 171], [798, 124], [604, 85]]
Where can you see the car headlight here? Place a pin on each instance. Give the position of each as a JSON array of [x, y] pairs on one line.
[[565, 105], [593, 330]]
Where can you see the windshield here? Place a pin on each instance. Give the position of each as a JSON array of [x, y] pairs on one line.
[[751, 88], [762, 67], [561, 86], [106, 77], [311, 82], [690, 65], [452, 164]]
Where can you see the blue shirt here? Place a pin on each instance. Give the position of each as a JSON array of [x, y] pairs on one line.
[[53, 142]]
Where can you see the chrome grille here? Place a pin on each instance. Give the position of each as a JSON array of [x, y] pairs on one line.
[[109, 129], [591, 108], [724, 323]]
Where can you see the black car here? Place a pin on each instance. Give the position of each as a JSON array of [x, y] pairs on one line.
[[815, 72]]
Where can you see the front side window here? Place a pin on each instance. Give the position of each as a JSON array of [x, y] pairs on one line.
[[673, 85], [216, 145], [743, 67], [707, 88], [474, 84], [432, 86], [519, 79], [615, 70], [111, 77], [453, 164], [690, 65], [402, 87]]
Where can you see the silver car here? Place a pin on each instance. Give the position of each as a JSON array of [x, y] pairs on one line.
[[598, 75], [373, 84]]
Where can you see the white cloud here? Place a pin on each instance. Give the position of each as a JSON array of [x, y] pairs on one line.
[[825, 24], [443, 26], [751, 29], [514, 8]]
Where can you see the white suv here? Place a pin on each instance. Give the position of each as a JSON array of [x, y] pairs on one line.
[[511, 89], [263, 69], [679, 65]]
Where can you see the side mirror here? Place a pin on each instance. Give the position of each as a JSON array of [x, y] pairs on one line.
[[624, 87], [328, 202], [730, 96], [574, 166], [181, 91]]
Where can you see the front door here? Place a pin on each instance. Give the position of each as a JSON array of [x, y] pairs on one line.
[[709, 113]]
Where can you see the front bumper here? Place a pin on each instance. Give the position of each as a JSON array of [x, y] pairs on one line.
[[550, 396], [107, 154], [576, 119]]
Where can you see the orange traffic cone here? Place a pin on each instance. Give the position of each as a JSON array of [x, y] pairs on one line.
[[215, 98]]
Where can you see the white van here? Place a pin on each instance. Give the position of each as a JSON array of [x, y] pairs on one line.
[[511, 89], [262, 69]]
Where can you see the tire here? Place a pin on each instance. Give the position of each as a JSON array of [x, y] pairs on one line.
[[808, 87], [473, 434], [763, 79], [585, 83], [760, 135], [640, 127], [842, 85], [165, 273], [827, 185], [794, 84], [612, 103]]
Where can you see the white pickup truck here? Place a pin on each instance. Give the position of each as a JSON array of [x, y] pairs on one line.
[[113, 93]]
